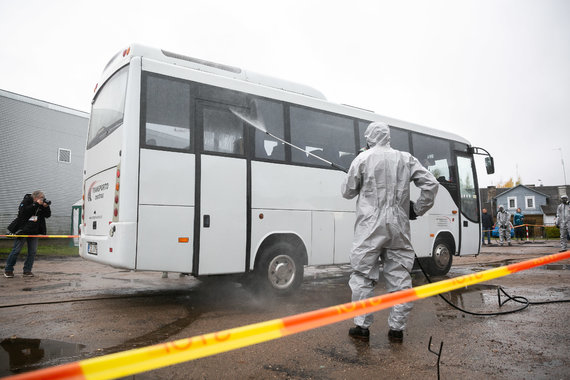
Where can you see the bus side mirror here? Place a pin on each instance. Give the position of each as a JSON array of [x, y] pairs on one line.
[[489, 165]]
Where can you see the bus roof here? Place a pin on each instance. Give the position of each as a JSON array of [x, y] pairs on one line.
[[137, 50], [311, 96]]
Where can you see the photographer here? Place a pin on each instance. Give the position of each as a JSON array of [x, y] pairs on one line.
[[30, 221]]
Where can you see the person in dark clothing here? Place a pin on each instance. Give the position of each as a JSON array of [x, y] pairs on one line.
[[21, 219], [487, 221], [30, 221]]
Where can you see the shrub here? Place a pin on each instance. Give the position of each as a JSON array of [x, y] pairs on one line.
[[552, 232]]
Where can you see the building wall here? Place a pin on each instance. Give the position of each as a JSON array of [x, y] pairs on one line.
[[549, 220], [32, 132], [519, 194]]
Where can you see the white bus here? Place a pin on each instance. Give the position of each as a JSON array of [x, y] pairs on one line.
[[176, 180]]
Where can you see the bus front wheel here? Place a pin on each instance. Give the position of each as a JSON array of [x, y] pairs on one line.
[[280, 269], [442, 257]]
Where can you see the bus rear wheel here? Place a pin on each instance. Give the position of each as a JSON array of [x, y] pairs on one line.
[[440, 261], [280, 270]]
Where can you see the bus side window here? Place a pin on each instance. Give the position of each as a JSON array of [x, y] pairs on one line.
[[362, 125], [269, 115], [223, 132], [166, 113], [399, 139], [435, 154], [325, 135]]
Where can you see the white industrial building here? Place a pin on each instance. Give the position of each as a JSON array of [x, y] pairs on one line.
[[41, 148]]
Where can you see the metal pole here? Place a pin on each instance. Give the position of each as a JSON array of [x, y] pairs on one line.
[[563, 168]]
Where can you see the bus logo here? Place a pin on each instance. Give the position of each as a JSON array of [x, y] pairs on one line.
[[96, 189]]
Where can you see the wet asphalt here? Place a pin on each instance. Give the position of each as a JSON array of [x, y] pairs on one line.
[[74, 309]]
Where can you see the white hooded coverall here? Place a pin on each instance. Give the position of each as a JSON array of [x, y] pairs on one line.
[[504, 222], [381, 178], [563, 221]]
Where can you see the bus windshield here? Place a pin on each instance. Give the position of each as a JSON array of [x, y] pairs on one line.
[[108, 108]]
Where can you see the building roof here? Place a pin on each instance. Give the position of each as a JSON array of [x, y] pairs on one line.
[[485, 193], [42, 103], [553, 199], [554, 191], [517, 186], [549, 209]]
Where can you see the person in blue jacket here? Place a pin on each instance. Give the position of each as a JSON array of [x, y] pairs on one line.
[[518, 220]]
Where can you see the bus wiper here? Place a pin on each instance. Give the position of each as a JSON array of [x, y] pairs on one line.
[[260, 127]]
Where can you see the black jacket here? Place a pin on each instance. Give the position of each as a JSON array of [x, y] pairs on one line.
[[23, 225], [487, 221]]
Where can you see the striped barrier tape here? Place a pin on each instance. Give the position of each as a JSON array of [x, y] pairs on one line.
[[529, 225], [164, 354], [40, 236], [518, 226]]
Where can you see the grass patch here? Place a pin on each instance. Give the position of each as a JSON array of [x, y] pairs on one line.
[[46, 247]]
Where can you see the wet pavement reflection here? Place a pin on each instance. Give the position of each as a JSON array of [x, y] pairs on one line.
[[22, 354], [99, 311]]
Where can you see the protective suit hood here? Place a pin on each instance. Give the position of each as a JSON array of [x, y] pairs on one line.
[[377, 133]]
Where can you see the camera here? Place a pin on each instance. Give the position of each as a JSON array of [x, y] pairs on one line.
[[47, 202]]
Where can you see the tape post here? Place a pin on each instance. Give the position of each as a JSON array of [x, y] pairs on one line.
[[161, 355]]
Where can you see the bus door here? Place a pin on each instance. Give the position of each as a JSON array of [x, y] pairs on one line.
[[469, 202], [221, 183], [165, 232]]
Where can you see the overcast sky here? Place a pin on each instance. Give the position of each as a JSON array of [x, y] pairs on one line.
[[496, 72]]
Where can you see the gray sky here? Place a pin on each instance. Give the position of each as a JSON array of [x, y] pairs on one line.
[[496, 72]]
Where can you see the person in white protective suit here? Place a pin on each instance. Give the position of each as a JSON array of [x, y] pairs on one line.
[[504, 222], [381, 178], [563, 221]]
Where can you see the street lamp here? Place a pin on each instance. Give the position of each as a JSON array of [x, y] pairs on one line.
[[563, 168]]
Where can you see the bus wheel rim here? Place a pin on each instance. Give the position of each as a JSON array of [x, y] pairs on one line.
[[441, 256], [281, 271]]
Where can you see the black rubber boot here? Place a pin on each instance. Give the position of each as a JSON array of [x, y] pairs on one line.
[[359, 333], [396, 336]]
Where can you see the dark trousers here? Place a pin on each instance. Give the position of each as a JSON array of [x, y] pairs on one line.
[[520, 232], [18, 244], [487, 233]]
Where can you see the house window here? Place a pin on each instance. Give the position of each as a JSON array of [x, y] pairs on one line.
[[64, 155], [529, 201], [512, 202]]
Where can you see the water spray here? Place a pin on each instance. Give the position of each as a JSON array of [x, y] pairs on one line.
[[260, 127]]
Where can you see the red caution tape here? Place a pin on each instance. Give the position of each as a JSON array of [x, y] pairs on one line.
[[161, 355]]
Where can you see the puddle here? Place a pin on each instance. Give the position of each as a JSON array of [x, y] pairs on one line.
[[557, 266], [499, 263], [22, 354], [475, 298], [48, 287]]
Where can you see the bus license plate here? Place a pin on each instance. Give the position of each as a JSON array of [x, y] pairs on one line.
[[92, 248]]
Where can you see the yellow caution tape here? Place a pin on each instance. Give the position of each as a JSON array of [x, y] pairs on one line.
[[161, 355]]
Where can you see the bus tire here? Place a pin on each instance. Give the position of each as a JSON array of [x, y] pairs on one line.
[[280, 270], [442, 256]]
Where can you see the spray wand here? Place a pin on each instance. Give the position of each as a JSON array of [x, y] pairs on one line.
[[258, 125]]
